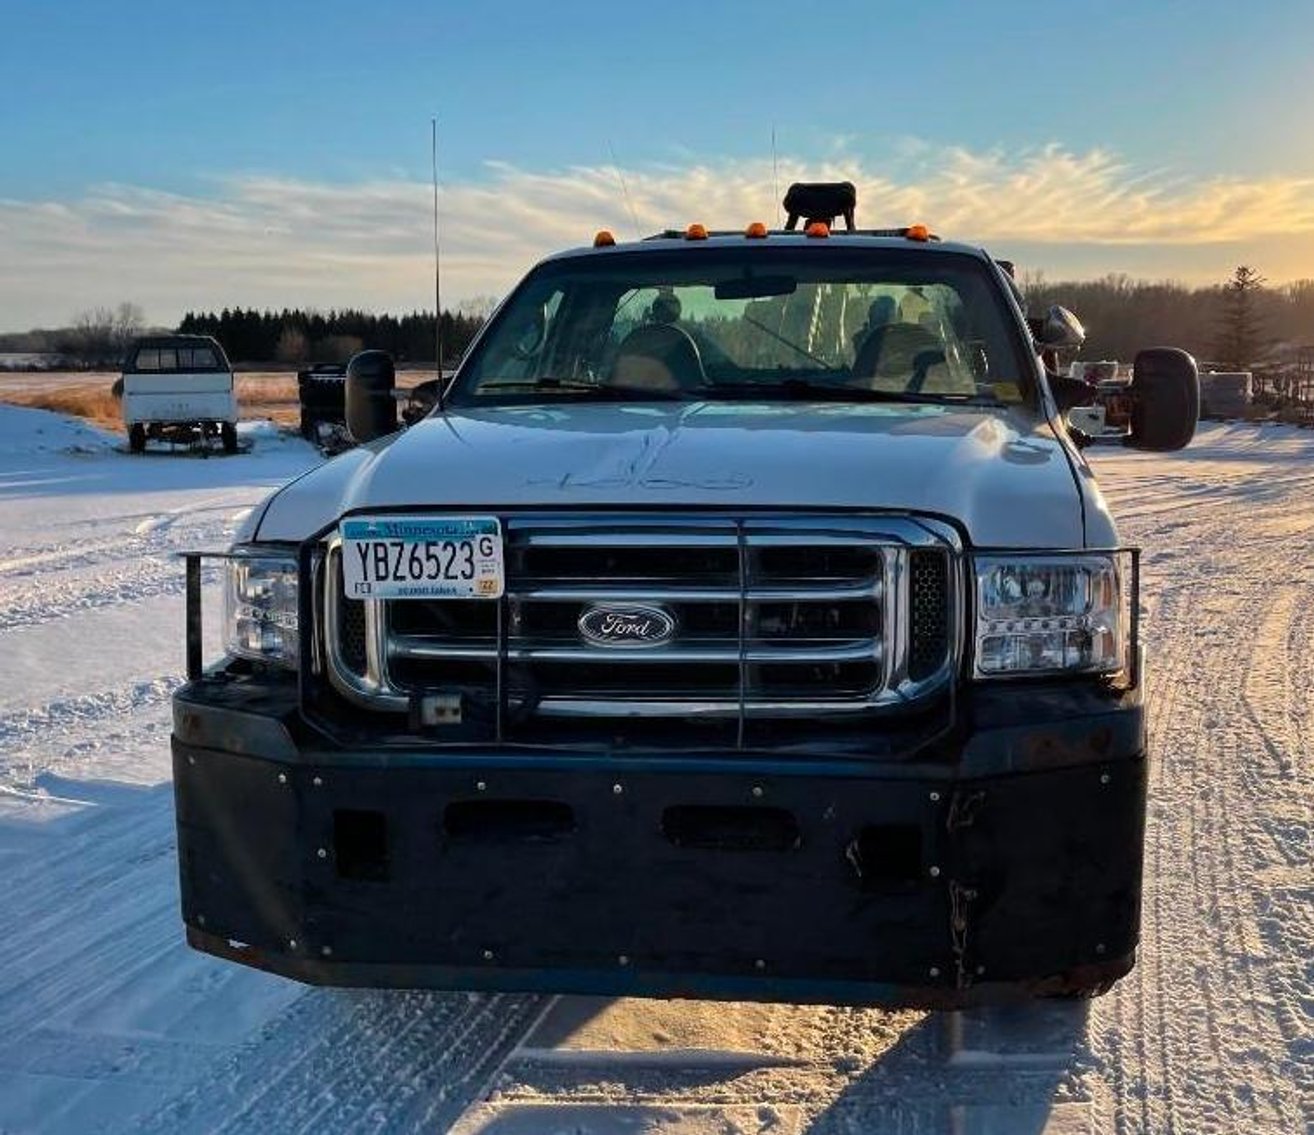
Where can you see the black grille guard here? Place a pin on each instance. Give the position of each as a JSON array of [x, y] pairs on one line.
[[315, 691]]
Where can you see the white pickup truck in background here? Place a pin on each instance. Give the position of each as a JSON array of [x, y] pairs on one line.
[[178, 388]]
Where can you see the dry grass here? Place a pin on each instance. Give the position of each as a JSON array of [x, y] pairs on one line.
[[93, 402], [260, 394], [273, 396], [87, 395]]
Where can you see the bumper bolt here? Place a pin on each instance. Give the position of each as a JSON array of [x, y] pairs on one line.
[[1100, 947], [760, 963], [488, 955], [282, 778], [617, 789], [934, 871], [623, 960], [200, 920], [318, 782], [291, 943], [935, 798], [326, 951], [1105, 778], [757, 791], [481, 786], [980, 970], [322, 853], [935, 971]]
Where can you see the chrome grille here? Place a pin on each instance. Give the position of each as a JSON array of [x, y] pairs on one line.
[[774, 617]]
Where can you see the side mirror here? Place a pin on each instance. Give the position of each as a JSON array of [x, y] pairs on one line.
[[1060, 330], [420, 400], [370, 405], [1165, 394]]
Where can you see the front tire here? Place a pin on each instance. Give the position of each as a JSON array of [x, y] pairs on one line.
[[137, 438], [228, 434]]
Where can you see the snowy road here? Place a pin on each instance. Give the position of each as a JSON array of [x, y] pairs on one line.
[[108, 1022]]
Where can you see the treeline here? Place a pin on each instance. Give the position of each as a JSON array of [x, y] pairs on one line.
[[98, 337], [1123, 316], [290, 336], [1256, 324]]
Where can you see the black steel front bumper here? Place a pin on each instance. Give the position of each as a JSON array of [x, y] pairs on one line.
[[1010, 868]]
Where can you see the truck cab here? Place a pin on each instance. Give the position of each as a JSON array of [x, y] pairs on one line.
[[743, 621]]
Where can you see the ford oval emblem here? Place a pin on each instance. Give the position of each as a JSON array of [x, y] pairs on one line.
[[629, 625]]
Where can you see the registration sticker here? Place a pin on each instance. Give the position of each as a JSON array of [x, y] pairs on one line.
[[422, 557]]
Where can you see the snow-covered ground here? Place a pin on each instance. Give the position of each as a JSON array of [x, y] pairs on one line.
[[109, 1023]]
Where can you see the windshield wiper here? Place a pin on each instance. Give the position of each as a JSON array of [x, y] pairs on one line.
[[803, 390], [779, 338], [606, 391]]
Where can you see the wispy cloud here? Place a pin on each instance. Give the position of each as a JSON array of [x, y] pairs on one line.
[[278, 241]]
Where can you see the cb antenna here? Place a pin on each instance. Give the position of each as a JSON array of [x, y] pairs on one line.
[[625, 190], [437, 261]]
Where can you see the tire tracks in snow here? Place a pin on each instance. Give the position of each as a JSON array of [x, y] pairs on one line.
[[151, 527], [65, 721], [87, 979], [58, 580], [97, 986], [1205, 1004], [356, 1061], [155, 576]]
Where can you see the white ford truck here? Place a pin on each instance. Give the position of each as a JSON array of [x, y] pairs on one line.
[[744, 621], [178, 388]]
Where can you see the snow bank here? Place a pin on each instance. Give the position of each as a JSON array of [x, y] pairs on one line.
[[27, 431], [39, 431]]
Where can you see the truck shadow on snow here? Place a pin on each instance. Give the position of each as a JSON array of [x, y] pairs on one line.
[[993, 1071]]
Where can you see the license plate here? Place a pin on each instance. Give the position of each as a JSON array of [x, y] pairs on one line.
[[422, 557]]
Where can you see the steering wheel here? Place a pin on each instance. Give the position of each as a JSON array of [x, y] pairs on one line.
[[659, 356], [887, 348], [922, 362]]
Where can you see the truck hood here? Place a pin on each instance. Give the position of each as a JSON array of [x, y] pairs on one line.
[[1001, 474]]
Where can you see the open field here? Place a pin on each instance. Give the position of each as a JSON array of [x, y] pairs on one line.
[[109, 1023], [261, 395]]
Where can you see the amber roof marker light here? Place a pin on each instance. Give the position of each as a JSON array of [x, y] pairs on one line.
[[695, 232], [817, 230], [603, 239], [756, 231], [917, 232]]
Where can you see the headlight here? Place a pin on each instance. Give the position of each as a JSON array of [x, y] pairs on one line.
[[1048, 614], [260, 607]]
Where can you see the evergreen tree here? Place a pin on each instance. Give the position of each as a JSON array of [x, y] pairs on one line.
[[252, 336], [1240, 331]]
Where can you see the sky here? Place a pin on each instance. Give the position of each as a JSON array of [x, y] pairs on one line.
[[195, 156]]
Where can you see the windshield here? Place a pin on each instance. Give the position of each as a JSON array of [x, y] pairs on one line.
[[855, 322]]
